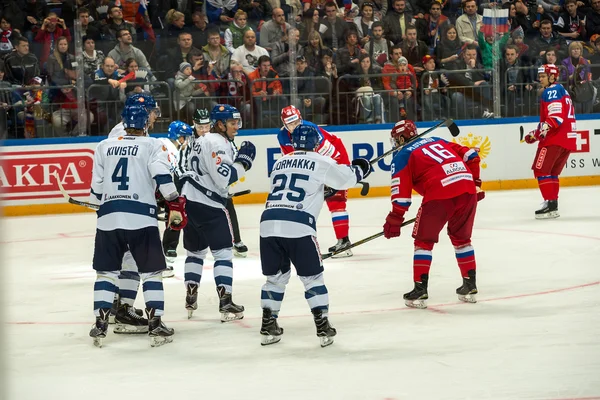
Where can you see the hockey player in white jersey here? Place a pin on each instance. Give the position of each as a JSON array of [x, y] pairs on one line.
[[288, 229], [138, 99], [212, 167], [125, 175]]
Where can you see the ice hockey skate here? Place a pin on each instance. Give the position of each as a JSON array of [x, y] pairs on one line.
[[129, 321], [113, 310], [240, 249], [100, 327], [468, 290], [191, 299], [325, 331], [269, 330], [417, 298], [341, 244], [549, 210], [170, 256], [157, 331], [228, 309]]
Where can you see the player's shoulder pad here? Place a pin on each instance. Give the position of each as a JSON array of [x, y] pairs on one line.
[[284, 137], [554, 93]]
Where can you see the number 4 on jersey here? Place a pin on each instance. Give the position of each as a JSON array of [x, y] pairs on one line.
[[120, 174]]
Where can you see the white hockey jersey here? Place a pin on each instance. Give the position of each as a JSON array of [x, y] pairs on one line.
[[210, 170], [296, 197], [126, 172], [173, 154], [117, 130]]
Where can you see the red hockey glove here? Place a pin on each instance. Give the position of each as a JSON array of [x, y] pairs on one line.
[[480, 194], [393, 224], [530, 137], [177, 219], [477, 182]]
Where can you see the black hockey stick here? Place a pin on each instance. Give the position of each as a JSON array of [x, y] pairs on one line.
[[240, 193], [452, 127], [522, 133], [362, 241], [365, 188], [72, 200]]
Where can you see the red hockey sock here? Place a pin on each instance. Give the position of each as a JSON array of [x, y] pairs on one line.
[[555, 187], [421, 263], [465, 257], [341, 223], [546, 185]]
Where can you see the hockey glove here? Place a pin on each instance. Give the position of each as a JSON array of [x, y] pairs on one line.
[[364, 165], [393, 224], [530, 138], [177, 219], [542, 130], [246, 155], [480, 194], [477, 182], [329, 192]]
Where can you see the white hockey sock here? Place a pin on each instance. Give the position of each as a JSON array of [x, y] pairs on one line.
[[105, 289], [316, 292], [273, 291], [223, 268], [129, 283], [154, 294], [193, 268]]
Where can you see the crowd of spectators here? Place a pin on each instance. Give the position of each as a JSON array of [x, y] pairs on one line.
[[359, 61]]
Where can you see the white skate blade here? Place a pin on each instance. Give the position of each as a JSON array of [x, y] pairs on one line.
[[190, 313], [98, 342], [111, 319], [130, 329], [326, 340], [343, 254], [422, 303], [240, 254], [228, 316], [157, 341], [468, 298], [548, 215], [266, 340]]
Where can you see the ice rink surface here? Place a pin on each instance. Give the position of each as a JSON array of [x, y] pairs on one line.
[[534, 334]]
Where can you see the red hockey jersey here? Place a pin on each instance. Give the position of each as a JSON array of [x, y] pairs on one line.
[[435, 168], [556, 109], [331, 145]]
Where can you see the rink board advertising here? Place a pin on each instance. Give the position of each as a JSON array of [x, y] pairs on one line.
[[27, 184]]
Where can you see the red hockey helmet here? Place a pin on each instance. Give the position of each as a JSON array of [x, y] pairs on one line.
[[406, 129], [550, 70], [290, 114]]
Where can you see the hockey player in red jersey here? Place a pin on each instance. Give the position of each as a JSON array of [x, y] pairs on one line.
[[446, 174], [330, 146], [556, 136]]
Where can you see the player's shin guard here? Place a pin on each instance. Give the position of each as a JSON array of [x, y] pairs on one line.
[[129, 283], [154, 294], [547, 189], [273, 291], [315, 292], [341, 223], [465, 257], [194, 263]]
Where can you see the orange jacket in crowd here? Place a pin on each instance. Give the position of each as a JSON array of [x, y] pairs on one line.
[[271, 86]]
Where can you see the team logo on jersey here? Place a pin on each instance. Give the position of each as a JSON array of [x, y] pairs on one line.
[[141, 100], [482, 145], [135, 196], [218, 161]]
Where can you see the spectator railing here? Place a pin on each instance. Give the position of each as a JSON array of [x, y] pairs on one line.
[[266, 109], [349, 101], [470, 101]]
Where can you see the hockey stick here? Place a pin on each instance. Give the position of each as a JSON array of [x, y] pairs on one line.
[[522, 131], [365, 188], [72, 200], [452, 127], [240, 193], [362, 241]]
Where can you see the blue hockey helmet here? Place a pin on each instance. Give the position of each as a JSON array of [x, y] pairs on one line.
[[224, 112], [143, 99], [178, 129], [135, 117], [305, 137]]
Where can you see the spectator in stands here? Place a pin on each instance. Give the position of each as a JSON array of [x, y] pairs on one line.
[[249, 53], [202, 70], [175, 56], [318, 4], [12, 11], [309, 102], [313, 51], [221, 12], [105, 94], [265, 86], [577, 72], [434, 101], [486, 47], [401, 87], [527, 19], [571, 23], [200, 29], [592, 20], [60, 69], [21, 66], [274, 30], [236, 90], [333, 36], [513, 23], [595, 57], [116, 23], [369, 104], [518, 37], [431, 28], [547, 38], [311, 23], [216, 54], [396, 21], [7, 37], [124, 49], [175, 23], [551, 7], [378, 47], [6, 102], [364, 23], [281, 54], [135, 77], [234, 35], [92, 58], [517, 91], [256, 10], [35, 13], [474, 86], [347, 57], [449, 50], [67, 114], [89, 29], [469, 24], [52, 28], [188, 87], [413, 49]]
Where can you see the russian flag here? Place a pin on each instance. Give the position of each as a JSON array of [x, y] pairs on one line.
[[142, 19], [501, 17]]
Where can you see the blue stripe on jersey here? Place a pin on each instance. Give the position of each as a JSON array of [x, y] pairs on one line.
[[280, 214], [358, 172], [98, 195], [233, 177], [401, 158], [211, 195], [127, 206], [163, 179], [284, 137], [554, 93]]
